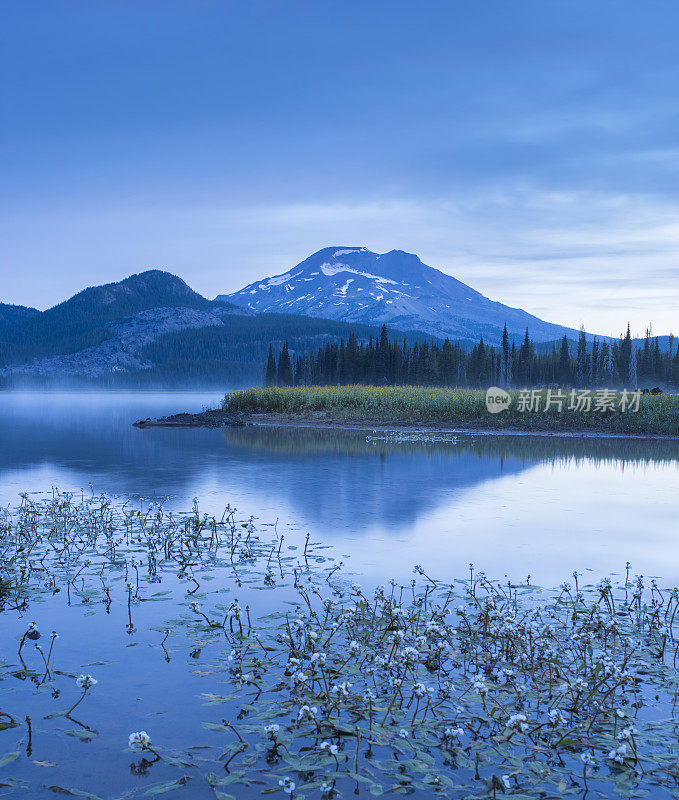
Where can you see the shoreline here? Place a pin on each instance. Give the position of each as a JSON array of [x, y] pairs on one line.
[[222, 419]]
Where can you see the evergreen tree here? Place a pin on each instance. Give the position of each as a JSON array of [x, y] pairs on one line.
[[674, 369], [505, 363], [342, 369], [382, 357], [625, 357], [645, 357], [270, 371], [351, 359], [658, 372], [564, 369], [524, 361], [581, 365], [284, 372], [632, 379], [594, 364], [299, 371]]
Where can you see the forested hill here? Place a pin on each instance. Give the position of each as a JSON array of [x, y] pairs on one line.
[[236, 351], [81, 320], [153, 330], [10, 315]]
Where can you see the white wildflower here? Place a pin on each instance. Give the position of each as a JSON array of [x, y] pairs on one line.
[[139, 739], [271, 730], [518, 722], [619, 754], [307, 711], [556, 717]]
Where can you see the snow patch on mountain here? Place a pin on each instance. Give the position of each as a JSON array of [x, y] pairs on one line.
[[277, 281], [343, 289], [335, 269]]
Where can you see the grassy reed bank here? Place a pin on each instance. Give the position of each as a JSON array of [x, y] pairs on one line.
[[465, 408]]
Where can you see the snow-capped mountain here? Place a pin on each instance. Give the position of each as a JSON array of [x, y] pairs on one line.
[[354, 284]]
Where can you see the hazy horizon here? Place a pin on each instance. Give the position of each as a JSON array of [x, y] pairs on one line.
[[636, 335]]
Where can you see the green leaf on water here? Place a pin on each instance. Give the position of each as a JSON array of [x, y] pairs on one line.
[[175, 762], [9, 757], [86, 736], [215, 726], [163, 788], [75, 792]]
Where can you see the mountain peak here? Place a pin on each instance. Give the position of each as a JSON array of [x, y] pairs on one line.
[[157, 280], [354, 284], [150, 289]]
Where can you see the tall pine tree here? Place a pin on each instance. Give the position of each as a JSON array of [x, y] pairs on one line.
[[270, 371], [284, 372]]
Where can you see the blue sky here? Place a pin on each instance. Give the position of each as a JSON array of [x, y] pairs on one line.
[[528, 148]]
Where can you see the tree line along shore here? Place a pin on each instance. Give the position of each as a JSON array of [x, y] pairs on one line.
[[384, 361]]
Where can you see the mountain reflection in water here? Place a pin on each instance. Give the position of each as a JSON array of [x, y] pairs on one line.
[[544, 505]]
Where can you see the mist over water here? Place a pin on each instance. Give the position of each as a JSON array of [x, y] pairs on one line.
[[542, 506]]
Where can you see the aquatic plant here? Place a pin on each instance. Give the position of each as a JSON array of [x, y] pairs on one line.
[[466, 688]]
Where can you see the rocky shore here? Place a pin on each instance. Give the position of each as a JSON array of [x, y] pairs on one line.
[[215, 418], [204, 419]]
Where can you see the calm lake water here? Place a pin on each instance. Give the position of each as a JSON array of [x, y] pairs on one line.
[[543, 506]]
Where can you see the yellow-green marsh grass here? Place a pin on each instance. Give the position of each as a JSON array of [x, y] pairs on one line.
[[466, 408]]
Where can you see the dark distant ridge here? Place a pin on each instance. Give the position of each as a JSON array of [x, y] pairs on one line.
[[9, 314], [78, 322]]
